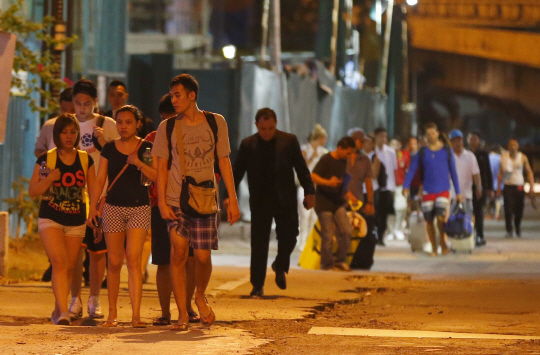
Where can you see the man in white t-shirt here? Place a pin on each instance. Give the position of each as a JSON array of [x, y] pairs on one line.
[[84, 101], [44, 141], [384, 196], [467, 171]]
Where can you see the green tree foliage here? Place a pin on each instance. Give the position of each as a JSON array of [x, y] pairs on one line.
[[42, 65], [23, 206]]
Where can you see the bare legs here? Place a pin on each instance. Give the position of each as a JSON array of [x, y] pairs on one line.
[[98, 264], [179, 256], [133, 252], [164, 288], [62, 252], [203, 271], [430, 228], [146, 251]]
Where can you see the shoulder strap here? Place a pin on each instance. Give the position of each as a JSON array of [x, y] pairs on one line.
[[83, 156], [51, 158], [180, 147], [211, 119], [169, 130], [124, 168]]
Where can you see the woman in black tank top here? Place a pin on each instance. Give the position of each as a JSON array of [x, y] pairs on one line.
[[62, 212]]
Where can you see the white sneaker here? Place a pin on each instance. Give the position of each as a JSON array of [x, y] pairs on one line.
[[399, 235], [94, 307], [75, 308]]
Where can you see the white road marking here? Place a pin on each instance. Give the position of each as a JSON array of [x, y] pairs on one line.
[[413, 334], [228, 286]]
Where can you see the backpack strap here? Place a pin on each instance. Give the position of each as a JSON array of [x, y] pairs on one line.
[[211, 119], [83, 157], [51, 158], [169, 130]]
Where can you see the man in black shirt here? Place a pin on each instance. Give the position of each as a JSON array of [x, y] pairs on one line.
[[330, 177], [118, 96], [487, 185], [270, 158]]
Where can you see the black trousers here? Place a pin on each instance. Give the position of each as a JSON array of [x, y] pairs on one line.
[[363, 256], [286, 230], [384, 205], [514, 203], [478, 208]]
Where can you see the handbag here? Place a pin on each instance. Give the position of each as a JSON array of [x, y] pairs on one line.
[[459, 224], [196, 199]]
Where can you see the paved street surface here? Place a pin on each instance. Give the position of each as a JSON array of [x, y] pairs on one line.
[[487, 296]]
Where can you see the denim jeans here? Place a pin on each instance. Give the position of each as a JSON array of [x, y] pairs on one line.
[[334, 223]]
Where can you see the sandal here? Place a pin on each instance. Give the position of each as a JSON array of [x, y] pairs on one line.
[[110, 324], [162, 321], [139, 324], [210, 318], [180, 327], [193, 317]]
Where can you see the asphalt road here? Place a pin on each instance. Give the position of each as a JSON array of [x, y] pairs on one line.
[[487, 295]]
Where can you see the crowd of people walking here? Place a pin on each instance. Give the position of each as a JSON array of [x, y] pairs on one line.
[[116, 189]]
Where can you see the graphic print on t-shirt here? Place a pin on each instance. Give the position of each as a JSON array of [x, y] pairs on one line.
[[198, 151], [67, 193]]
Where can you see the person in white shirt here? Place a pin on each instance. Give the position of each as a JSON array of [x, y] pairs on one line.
[[384, 196], [514, 166], [84, 101], [44, 142], [312, 152], [467, 171]]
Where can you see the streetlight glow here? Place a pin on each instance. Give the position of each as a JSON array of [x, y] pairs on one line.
[[229, 51], [412, 2]]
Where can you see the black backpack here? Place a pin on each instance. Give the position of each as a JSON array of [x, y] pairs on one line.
[[422, 153], [211, 119]]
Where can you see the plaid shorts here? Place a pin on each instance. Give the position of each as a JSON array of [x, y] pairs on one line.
[[200, 232]]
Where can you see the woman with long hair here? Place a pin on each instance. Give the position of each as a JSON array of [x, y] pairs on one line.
[[126, 213], [62, 213]]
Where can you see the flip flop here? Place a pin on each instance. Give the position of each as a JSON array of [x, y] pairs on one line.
[[139, 324], [110, 324], [162, 321], [210, 318], [180, 327], [193, 317]]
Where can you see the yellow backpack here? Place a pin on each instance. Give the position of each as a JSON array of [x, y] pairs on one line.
[[83, 156]]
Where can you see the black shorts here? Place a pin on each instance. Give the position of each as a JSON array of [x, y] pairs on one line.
[[92, 247], [161, 241]]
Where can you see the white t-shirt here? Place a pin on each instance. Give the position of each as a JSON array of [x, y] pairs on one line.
[[87, 129], [388, 157], [45, 140], [467, 167], [308, 149]]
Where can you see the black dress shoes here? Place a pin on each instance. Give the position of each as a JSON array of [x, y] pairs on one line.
[[281, 280], [257, 292]]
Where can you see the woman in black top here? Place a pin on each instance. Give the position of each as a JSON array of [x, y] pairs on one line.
[[126, 215], [62, 213]]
